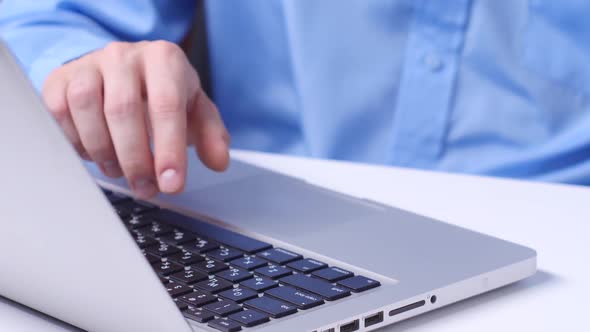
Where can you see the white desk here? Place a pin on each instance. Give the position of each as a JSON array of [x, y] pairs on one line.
[[553, 219]]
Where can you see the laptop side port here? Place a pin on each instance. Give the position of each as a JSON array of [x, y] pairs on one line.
[[407, 308], [374, 319], [350, 327]]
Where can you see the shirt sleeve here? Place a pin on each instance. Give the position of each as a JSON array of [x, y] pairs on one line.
[[44, 34]]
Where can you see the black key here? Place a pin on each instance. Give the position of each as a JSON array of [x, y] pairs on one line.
[[234, 275], [144, 241], [155, 229], [249, 318], [279, 255], [209, 266], [307, 265], [162, 250], [186, 258], [359, 283], [225, 325], [176, 289], [238, 294], [223, 307], [178, 237], [117, 198], [214, 285], [200, 246], [188, 277], [198, 315], [273, 307], [301, 299], [198, 298], [105, 191], [249, 262], [222, 235], [181, 305], [129, 209], [259, 284], [164, 280], [225, 254], [166, 268], [273, 271], [152, 259], [316, 286], [138, 222], [332, 274]]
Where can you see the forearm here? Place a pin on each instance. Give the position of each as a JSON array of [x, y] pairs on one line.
[[46, 34]]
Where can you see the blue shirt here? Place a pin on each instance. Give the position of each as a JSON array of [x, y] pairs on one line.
[[489, 87]]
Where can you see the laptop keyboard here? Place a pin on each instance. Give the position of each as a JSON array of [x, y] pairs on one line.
[[227, 280]]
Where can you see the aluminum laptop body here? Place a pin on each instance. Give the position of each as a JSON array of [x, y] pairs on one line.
[[65, 252]]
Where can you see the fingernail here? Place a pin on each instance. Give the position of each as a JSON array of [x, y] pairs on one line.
[[170, 181], [111, 168], [144, 188]]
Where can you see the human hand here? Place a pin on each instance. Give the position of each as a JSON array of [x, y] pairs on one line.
[[113, 102]]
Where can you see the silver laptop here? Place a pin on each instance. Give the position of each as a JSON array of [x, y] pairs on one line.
[[248, 249]]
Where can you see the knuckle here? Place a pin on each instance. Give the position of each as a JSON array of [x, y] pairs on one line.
[[166, 48], [123, 106], [164, 105], [116, 49], [82, 92]]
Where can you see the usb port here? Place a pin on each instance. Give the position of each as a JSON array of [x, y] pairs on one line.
[[350, 327], [374, 319]]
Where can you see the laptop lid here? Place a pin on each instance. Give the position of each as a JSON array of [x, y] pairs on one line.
[[64, 251]]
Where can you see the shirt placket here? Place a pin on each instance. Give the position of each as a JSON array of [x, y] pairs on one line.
[[427, 84]]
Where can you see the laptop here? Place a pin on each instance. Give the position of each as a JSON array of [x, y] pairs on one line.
[[244, 250]]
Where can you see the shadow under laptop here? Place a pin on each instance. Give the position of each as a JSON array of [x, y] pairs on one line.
[[540, 279]]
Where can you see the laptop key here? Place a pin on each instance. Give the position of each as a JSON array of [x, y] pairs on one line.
[[186, 258], [259, 284], [225, 254], [144, 241], [162, 250], [178, 237], [223, 307], [181, 305], [155, 229], [214, 285], [232, 239], [301, 299], [249, 262], [316, 286], [238, 295], [209, 266], [273, 271], [129, 209], [176, 289], [225, 325], [188, 277], [198, 298], [200, 246], [273, 307], [279, 255], [197, 314], [359, 283], [307, 265], [138, 222], [234, 275], [152, 259], [332, 274], [249, 318], [166, 268]]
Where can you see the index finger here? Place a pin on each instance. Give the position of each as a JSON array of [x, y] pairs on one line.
[[167, 94]]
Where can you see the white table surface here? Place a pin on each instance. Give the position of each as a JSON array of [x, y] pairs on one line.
[[553, 219]]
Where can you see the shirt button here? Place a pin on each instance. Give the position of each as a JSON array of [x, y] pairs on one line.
[[433, 62]]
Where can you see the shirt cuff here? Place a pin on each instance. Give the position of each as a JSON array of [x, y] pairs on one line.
[[68, 49]]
